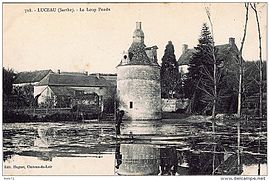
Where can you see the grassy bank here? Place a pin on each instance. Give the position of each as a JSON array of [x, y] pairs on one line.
[[16, 116]]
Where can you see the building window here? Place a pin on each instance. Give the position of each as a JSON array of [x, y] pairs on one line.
[[130, 105]]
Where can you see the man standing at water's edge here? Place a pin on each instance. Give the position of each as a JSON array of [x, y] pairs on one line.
[[118, 121]]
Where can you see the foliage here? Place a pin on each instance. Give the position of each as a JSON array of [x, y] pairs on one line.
[[228, 80], [254, 7], [61, 102], [8, 80], [199, 85], [170, 77], [109, 103], [199, 82], [24, 95], [252, 77], [16, 97]]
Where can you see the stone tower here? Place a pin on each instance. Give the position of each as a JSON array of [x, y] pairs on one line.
[[138, 80]]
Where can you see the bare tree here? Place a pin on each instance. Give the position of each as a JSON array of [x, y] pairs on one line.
[[214, 65], [214, 86], [254, 7], [240, 61], [241, 64]]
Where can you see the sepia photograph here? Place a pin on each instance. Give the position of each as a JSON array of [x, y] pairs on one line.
[[134, 89]]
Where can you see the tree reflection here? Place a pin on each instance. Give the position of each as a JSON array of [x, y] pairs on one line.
[[168, 161], [118, 156]]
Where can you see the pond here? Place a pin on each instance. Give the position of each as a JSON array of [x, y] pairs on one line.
[[89, 148]]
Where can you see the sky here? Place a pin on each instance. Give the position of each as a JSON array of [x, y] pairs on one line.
[[93, 41]]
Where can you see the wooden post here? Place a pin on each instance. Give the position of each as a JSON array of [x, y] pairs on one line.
[[259, 168], [259, 145], [213, 162], [214, 142], [238, 147]]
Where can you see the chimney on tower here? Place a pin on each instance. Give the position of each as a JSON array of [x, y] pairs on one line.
[[231, 41], [138, 35], [138, 25], [184, 48]]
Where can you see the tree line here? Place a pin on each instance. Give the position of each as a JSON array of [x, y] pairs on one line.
[[15, 97], [217, 81]]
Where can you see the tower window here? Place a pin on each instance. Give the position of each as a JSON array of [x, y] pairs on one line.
[[130, 105]]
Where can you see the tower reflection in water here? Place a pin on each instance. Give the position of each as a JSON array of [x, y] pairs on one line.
[[136, 159], [140, 159]]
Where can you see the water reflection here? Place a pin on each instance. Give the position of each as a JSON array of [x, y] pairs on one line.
[[197, 155], [141, 159], [137, 159], [168, 161], [44, 137], [118, 156]]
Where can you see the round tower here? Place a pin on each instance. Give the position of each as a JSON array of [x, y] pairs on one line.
[[138, 80]]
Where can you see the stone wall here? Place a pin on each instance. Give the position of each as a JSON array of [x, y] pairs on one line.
[[172, 105], [138, 90]]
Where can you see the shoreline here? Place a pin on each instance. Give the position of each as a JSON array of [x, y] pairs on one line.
[[16, 117]]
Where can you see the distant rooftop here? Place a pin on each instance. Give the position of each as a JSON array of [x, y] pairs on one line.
[[186, 57], [73, 73], [31, 76], [74, 80], [222, 52], [112, 78]]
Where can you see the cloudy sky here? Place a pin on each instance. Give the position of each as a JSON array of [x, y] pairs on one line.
[[93, 41]]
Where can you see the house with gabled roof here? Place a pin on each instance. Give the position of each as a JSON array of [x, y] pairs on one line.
[[68, 90], [227, 55]]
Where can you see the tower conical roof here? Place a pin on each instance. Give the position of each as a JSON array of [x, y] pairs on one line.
[[137, 54], [136, 51]]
